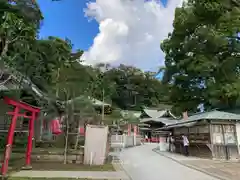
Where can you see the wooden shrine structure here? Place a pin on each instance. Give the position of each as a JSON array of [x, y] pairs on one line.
[[214, 134], [155, 119]]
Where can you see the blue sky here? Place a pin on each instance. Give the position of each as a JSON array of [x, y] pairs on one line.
[[66, 19]]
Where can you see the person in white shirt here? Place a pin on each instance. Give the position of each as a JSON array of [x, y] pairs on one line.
[[146, 138], [185, 144], [170, 142]]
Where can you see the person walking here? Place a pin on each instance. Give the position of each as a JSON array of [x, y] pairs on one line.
[[185, 145], [171, 140], [146, 138]]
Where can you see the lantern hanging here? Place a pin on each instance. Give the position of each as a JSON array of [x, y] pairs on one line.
[[82, 131]]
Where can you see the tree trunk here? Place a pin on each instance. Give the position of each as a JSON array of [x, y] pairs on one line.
[[103, 94], [66, 141], [5, 49], [57, 89], [68, 115], [78, 134]]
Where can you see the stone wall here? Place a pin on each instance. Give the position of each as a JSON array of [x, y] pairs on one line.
[[125, 141], [138, 140], [128, 141]]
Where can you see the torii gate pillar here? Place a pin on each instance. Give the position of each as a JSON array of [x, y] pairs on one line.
[[15, 114]]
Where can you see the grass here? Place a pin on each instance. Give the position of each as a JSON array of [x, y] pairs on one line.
[[49, 150], [53, 166], [17, 161], [59, 166], [40, 150], [64, 167], [17, 178]]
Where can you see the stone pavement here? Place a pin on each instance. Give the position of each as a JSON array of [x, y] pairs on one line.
[[223, 170], [141, 163], [73, 174]]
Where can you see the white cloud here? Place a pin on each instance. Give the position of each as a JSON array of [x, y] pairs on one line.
[[130, 31]]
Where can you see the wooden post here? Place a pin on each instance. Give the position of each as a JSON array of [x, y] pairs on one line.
[[224, 143], [210, 133], [211, 139], [236, 137]]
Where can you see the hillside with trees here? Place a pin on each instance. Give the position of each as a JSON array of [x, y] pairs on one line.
[[56, 70], [201, 61]]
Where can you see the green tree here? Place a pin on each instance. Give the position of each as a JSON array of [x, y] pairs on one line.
[[134, 88], [55, 69], [202, 55]]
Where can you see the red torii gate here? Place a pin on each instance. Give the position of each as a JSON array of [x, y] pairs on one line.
[[15, 114]]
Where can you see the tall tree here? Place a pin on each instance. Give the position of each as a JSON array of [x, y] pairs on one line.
[[202, 54], [53, 67], [134, 88]]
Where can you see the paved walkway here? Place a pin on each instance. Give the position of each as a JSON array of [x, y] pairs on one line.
[[141, 163], [72, 174], [223, 170]]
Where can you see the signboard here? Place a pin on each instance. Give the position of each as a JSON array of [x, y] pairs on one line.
[[218, 138], [229, 138]]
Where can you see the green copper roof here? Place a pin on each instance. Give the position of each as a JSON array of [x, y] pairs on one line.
[[214, 115], [211, 115]]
